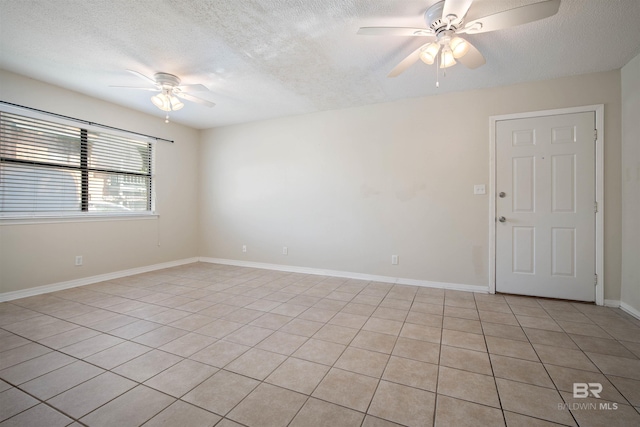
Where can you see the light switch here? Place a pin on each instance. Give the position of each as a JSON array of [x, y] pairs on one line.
[[479, 189]]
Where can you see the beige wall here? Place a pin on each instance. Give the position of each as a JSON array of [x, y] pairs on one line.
[[344, 190], [41, 254], [631, 184]]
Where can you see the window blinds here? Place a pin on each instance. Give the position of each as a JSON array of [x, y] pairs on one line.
[[54, 168]]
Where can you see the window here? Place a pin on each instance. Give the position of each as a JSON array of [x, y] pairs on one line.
[[53, 168]]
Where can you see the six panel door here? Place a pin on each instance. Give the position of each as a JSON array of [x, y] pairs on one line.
[[545, 207]]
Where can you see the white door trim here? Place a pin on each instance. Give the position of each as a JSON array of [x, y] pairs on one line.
[[599, 112]]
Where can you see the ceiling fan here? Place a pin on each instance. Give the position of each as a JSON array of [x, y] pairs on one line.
[[171, 91], [445, 24]]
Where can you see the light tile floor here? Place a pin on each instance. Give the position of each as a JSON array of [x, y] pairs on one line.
[[206, 344]]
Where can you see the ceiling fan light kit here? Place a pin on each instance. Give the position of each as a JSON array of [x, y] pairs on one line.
[[166, 101], [447, 60], [445, 23], [459, 47], [176, 104], [429, 53]]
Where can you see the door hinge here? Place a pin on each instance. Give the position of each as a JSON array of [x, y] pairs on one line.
[[595, 134], [595, 280], [595, 207]]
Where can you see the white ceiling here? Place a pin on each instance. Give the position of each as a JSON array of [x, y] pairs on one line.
[[270, 58]]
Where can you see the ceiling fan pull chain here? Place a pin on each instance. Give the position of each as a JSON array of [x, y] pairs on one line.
[[166, 119], [437, 71]]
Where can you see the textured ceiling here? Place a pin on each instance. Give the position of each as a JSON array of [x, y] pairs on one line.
[[270, 58]]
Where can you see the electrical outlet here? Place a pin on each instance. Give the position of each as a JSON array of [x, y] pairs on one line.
[[394, 259], [244, 248], [285, 250], [78, 260], [479, 189]]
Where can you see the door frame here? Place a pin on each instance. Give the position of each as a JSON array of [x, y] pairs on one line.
[[598, 109]]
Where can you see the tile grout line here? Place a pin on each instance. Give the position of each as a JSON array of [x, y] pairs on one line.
[[493, 374], [543, 365], [388, 359]]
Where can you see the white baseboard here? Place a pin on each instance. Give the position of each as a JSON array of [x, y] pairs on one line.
[[38, 290], [632, 311], [8, 296], [347, 274], [623, 306]]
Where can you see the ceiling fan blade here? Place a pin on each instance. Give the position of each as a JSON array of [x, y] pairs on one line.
[[513, 17], [143, 77], [473, 58], [406, 62], [153, 89], [458, 8], [194, 88], [395, 31], [194, 99]]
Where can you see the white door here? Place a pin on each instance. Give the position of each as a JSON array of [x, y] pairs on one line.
[[545, 206]]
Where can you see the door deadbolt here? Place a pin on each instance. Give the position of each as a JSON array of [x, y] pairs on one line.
[[502, 194]]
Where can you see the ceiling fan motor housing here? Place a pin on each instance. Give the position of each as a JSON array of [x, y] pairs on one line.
[[434, 19], [166, 81]]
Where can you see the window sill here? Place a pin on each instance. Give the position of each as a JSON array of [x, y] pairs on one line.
[[52, 219]]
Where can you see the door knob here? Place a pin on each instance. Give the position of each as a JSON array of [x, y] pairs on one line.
[[502, 219], [502, 195]]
